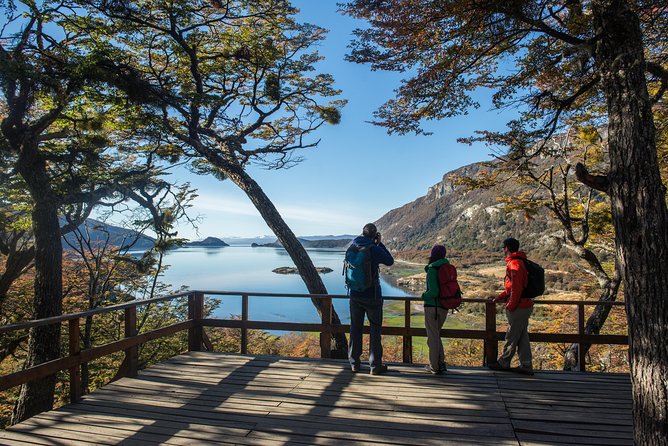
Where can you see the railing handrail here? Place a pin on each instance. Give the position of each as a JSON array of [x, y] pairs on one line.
[[139, 302], [197, 338], [78, 315]]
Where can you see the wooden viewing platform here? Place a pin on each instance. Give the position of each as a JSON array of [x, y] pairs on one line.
[[215, 398]]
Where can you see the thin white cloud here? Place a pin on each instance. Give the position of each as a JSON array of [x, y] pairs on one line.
[[317, 215], [209, 205]]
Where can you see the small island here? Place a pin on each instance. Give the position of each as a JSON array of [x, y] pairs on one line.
[[293, 270], [211, 242]]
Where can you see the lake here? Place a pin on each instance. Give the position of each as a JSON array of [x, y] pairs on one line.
[[242, 268]]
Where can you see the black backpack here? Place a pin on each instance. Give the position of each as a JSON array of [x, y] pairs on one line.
[[536, 282]]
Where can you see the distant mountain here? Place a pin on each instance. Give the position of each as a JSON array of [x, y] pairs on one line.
[[271, 239], [99, 232], [327, 237], [318, 243], [211, 242], [247, 241], [463, 220], [326, 243]]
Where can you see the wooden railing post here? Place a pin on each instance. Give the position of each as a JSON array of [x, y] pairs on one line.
[[582, 363], [408, 339], [131, 353], [491, 346], [244, 324], [75, 350], [195, 312], [326, 333]]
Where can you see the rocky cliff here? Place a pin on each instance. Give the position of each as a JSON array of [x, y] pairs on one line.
[[463, 219]]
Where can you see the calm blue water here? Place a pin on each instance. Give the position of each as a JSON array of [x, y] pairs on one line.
[[242, 268]]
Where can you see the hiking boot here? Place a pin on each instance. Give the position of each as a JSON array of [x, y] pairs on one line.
[[525, 370], [496, 366], [379, 370]]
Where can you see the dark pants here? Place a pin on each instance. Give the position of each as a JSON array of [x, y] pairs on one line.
[[373, 309]]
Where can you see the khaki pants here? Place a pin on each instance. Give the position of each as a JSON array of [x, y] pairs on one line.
[[517, 338], [434, 318]]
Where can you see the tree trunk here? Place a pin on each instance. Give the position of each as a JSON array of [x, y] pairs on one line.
[[289, 241], [609, 292], [18, 261], [639, 213], [43, 342]]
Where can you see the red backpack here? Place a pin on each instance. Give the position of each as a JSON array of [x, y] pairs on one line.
[[450, 295]]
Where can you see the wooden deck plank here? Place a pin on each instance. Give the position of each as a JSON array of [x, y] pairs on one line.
[[313, 406], [598, 430], [313, 398], [203, 398], [359, 418], [280, 418], [563, 439]]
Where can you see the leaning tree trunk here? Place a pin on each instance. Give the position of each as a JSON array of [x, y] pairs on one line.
[[639, 213], [43, 342], [289, 241]]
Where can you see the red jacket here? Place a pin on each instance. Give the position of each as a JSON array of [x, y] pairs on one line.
[[515, 283]]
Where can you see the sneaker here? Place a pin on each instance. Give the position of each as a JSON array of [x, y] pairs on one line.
[[355, 368], [379, 370], [429, 369], [442, 368]]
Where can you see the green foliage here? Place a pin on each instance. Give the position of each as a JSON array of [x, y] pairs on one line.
[[330, 115], [232, 83]]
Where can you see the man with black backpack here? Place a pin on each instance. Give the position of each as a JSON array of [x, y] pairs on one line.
[[518, 309], [362, 279]]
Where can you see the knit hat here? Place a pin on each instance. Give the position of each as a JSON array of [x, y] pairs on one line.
[[437, 252]]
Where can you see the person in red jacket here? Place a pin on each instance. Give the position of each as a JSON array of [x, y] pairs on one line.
[[518, 309]]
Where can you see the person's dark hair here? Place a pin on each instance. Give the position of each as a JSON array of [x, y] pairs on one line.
[[370, 231], [512, 244], [437, 253]]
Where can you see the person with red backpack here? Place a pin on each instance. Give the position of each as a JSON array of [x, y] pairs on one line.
[[442, 294], [518, 309]]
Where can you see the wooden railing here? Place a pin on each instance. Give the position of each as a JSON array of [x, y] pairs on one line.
[[197, 338]]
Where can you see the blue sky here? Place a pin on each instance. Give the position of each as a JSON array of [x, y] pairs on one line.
[[358, 172]]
